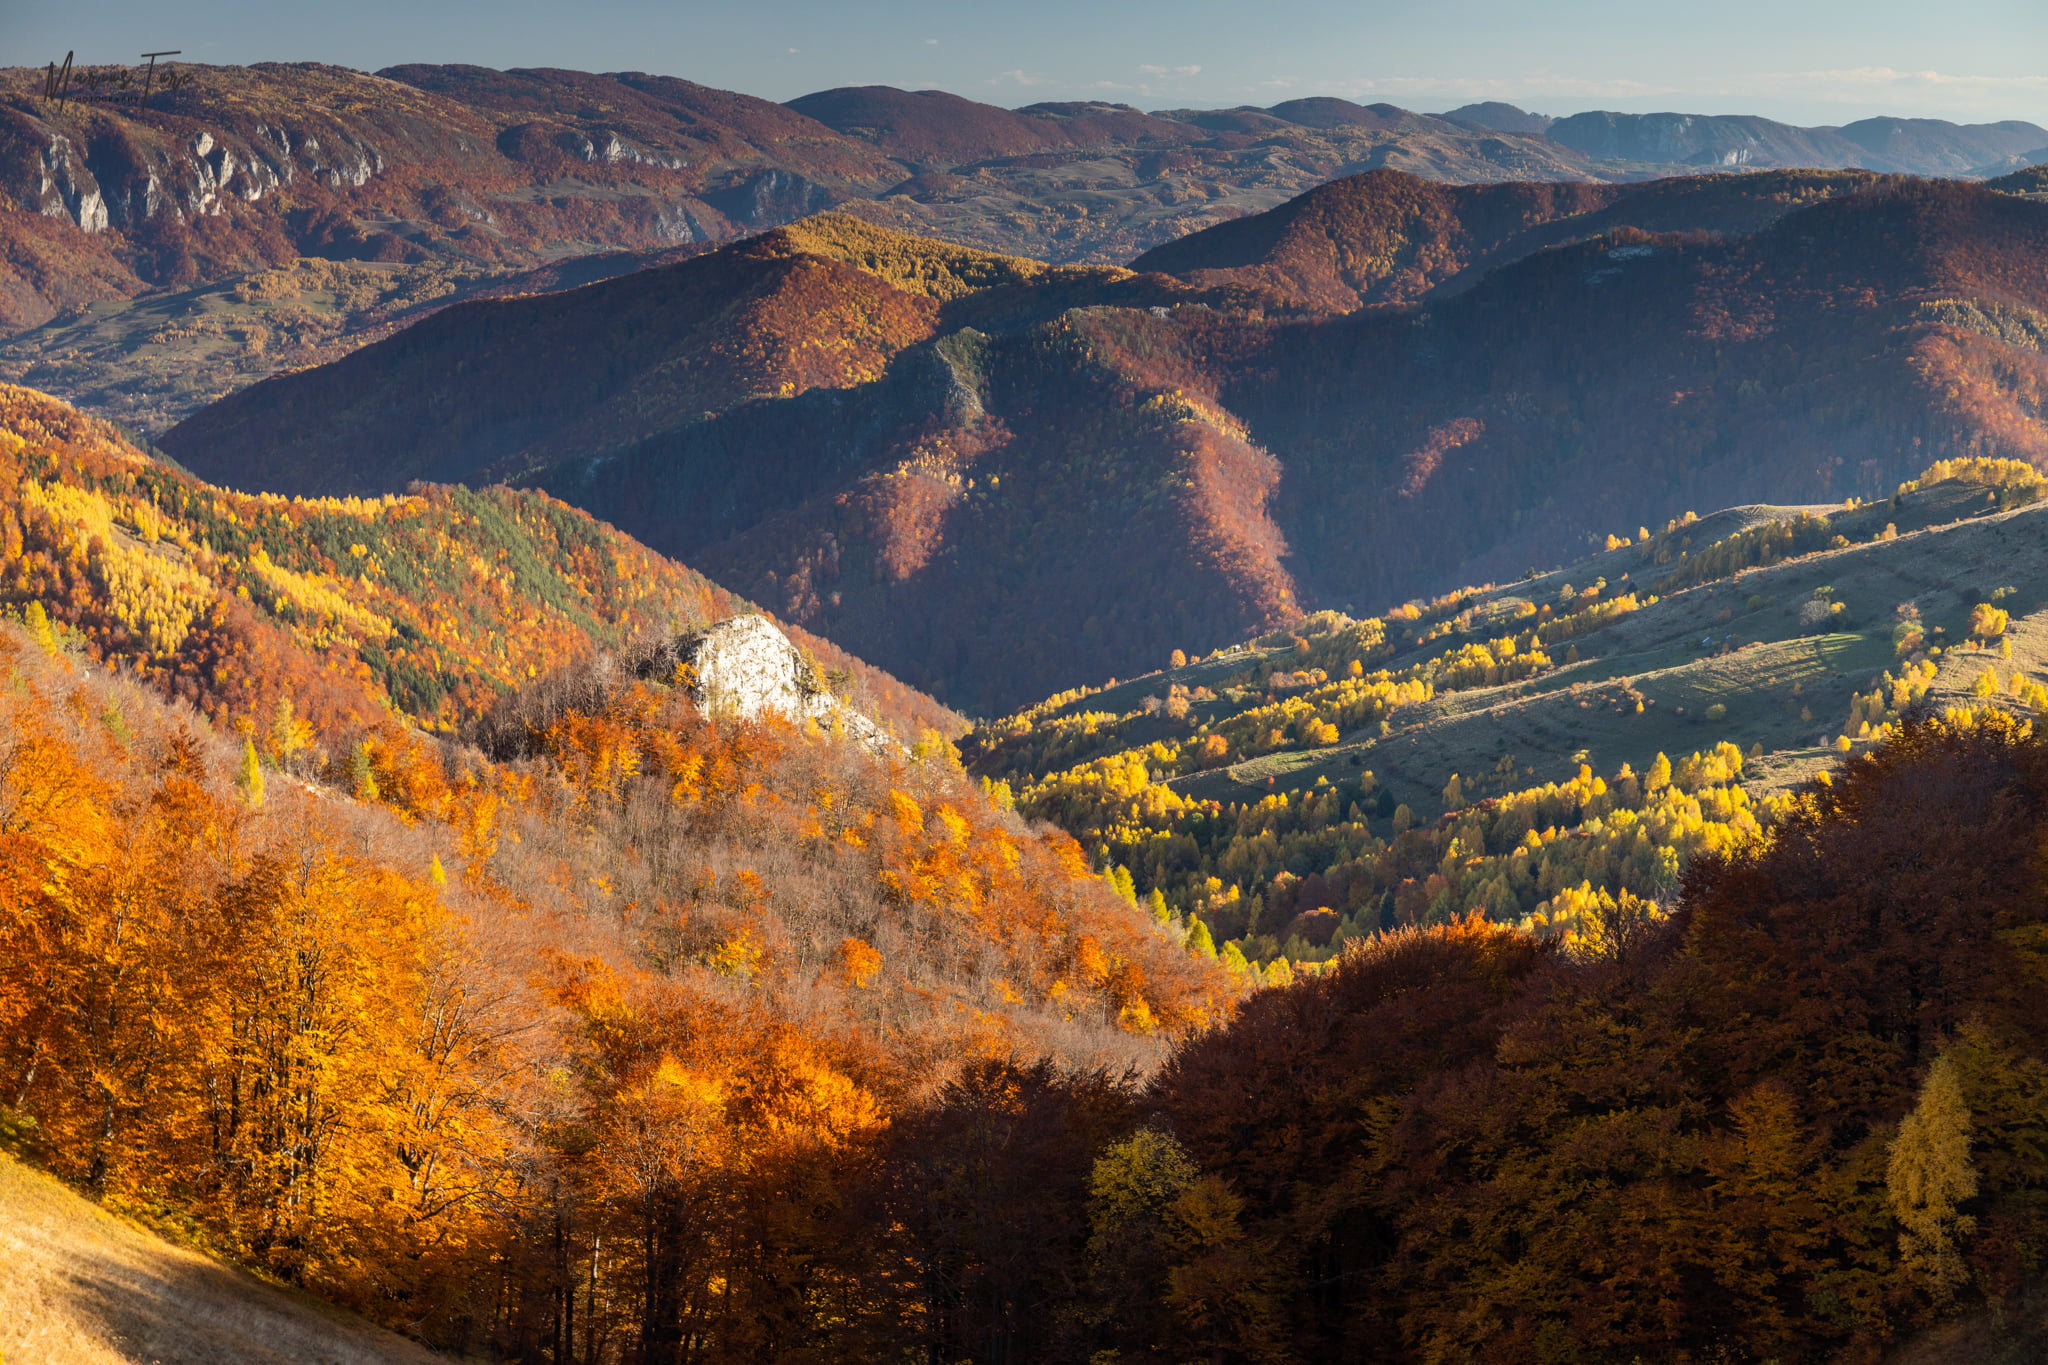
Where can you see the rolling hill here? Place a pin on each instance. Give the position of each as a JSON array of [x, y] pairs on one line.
[[1290, 768], [139, 268], [149, 361], [825, 304], [1504, 117], [1387, 387], [243, 168], [931, 129], [1705, 140], [1937, 147], [1384, 238], [140, 251], [1929, 147]]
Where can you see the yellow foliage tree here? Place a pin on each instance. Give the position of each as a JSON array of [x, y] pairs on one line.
[[250, 776], [1927, 1175], [1987, 622]]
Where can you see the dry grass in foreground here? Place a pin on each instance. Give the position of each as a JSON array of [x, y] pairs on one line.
[[79, 1286]]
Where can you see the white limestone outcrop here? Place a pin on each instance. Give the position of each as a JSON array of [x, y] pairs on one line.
[[743, 666]]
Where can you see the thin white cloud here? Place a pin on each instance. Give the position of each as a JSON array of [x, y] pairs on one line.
[[1020, 77], [931, 42], [1933, 93], [1562, 87], [1884, 77]]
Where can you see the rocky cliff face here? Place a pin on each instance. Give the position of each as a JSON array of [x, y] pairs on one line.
[[744, 666], [101, 169], [246, 167]]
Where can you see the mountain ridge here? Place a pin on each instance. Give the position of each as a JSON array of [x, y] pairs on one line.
[[1535, 375], [420, 161]]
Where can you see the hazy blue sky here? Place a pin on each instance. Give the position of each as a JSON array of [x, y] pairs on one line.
[[1804, 62]]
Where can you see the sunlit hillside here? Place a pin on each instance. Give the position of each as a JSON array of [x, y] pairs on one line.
[[428, 605], [82, 1286], [1545, 750], [631, 998]]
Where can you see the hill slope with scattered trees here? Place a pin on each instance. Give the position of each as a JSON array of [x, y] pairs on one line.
[[1546, 751]]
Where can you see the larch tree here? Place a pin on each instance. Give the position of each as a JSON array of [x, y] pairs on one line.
[[1927, 1174], [250, 776]]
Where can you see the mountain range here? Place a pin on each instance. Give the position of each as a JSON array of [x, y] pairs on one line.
[[1913, 146], [242, 167], [986, 473], [884, 727], [274, 217]]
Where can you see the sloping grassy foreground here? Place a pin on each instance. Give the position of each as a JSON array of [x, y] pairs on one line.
[[80, 1286]]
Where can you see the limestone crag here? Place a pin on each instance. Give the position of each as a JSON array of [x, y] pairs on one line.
[[743, 666]]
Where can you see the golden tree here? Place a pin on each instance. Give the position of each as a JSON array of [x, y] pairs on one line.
[[1928, 1174]]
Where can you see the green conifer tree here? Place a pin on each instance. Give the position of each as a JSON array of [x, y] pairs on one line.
[[362, 776], [1199, 939]]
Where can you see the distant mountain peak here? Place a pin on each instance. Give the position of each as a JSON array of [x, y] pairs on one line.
[[1324, 111], [1502, 118]]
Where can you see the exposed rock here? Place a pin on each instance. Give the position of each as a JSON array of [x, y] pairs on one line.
[[64, 187], [743, 666], [763, 197]]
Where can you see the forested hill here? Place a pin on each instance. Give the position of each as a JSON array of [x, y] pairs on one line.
[[365, 1005], [429, 605], [986, 474], [1385, 238], [1572, 738], [254, 220], [872, 1058], [1799, 1121]]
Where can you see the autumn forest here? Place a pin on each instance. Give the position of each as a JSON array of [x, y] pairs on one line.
[[1428, 768]]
